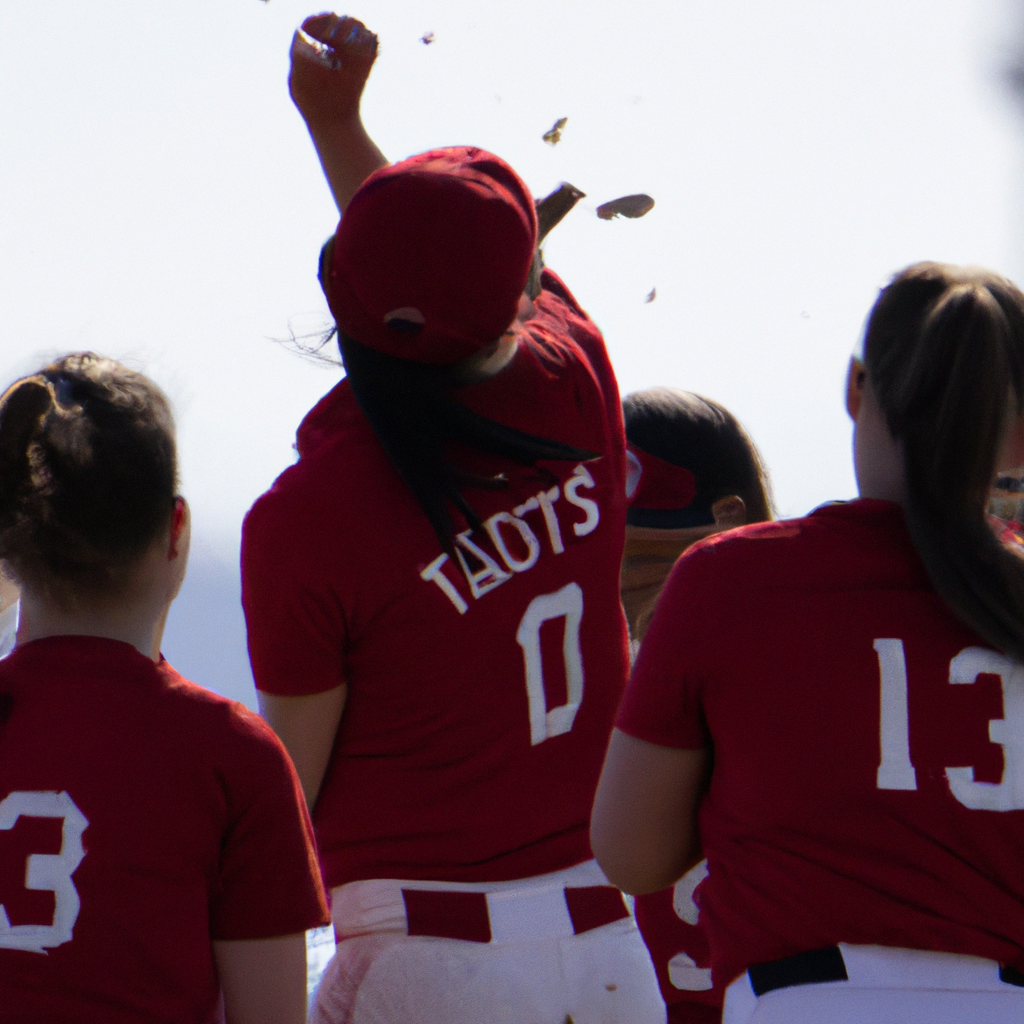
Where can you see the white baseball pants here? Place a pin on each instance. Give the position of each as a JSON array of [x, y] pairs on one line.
[[545, 961], [886, 985]]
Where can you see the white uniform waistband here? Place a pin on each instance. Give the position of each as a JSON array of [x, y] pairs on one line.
[[869, 967], [892, 967], [519, 910]]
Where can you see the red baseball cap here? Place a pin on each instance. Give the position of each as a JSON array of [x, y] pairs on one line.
[[432, 254], [653, 483]]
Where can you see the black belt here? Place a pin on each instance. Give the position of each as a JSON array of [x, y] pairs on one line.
[[822, 965]]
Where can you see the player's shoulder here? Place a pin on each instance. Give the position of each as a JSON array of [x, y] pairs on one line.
[[861, 542], [339, 461], [560, 327], [227, 745], [218, 719], [747, 544], [555, 289]]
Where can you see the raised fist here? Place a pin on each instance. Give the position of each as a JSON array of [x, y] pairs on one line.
[[331, 60]]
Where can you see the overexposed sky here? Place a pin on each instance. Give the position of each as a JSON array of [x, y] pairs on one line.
[[160, 202]]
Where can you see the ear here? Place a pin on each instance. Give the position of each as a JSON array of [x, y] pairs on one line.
[[729, 512], [180, 529], [856, 376]]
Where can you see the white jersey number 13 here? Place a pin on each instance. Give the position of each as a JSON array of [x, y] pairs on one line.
[[567, 604], [896, 771]]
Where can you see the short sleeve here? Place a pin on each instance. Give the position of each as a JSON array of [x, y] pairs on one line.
[[295, 625], [269, 879], [663, 702]]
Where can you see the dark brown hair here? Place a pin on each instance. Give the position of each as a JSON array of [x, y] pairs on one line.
[[417, 420], [88, 475], [944, 353], [704, 437]]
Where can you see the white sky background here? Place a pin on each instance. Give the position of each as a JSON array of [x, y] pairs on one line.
[[160, 202]]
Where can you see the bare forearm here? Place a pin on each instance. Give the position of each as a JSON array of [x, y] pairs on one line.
[[307, 727], [263, 980], [331, 59], [643, 830], [348, 156]]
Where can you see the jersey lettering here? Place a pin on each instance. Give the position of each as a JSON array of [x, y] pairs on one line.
[[1008, 732], [547, 500], [493, 527], [895, 771], [46, 872], [582, 478], [484, 580], [516, 542], [683, 971], [566, 603], [433, 572]]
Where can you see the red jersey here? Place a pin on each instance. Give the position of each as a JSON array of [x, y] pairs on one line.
[[140, 817], [868, 782], [481, 689], [676, 940]]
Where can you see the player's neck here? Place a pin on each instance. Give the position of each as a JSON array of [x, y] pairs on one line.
[[485, 364], [877, 456], [134, 614], [141, 628]]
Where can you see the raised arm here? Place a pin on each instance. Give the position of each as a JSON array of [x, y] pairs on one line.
[[331, 60]]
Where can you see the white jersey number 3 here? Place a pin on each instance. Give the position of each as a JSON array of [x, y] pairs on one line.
[[683, 971], [896, 771], [567, 604], [44, 871]]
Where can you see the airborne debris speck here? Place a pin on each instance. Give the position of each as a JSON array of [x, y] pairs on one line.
[[628, 206], [651, 295], [554, 134], [427, 38]]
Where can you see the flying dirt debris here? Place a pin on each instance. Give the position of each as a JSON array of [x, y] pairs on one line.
[[427, 38], [651, 295], [628, 206], [554, 134]]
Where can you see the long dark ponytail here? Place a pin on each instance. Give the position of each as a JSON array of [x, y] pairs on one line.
[[944, 352], [412, 411]]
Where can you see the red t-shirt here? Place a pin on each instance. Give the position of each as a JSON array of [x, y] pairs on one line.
[[481, 691], [676, 940], [140, 817], [868, 780]]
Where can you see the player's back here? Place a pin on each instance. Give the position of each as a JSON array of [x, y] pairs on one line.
[[481, 687], [120, 786], [868, 746]]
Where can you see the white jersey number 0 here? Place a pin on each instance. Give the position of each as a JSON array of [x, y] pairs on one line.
[[567, 604], [45, 871]]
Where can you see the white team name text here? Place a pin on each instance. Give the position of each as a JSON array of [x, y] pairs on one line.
[[515, 540]]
